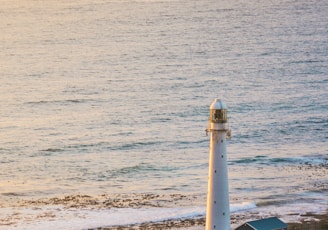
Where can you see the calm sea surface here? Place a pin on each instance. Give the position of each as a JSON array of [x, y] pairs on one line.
[[108, 100]]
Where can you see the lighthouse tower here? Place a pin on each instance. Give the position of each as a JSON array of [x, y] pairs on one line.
[[218, 210]]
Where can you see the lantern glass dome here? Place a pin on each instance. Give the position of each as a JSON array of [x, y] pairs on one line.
[[218, 112], [218, 115]]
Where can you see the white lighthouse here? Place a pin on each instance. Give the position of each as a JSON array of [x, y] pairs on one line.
[[218, 210]]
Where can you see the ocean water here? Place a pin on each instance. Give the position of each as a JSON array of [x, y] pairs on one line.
[[104, 106]]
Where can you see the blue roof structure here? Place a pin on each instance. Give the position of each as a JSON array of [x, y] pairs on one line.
[[272, 223]]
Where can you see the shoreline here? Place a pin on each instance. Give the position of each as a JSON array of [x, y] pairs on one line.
[[146, 211], [312, 221], [315, 221]]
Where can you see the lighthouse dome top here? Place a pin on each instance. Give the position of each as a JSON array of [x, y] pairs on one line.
[[218, 104]]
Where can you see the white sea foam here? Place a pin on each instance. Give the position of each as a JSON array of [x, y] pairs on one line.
[[242, 206], [289, 213], [56, 217]]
